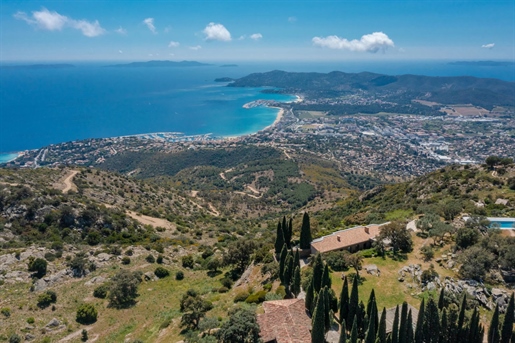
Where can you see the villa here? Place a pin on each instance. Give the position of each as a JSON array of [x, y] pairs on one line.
[[285, 321]]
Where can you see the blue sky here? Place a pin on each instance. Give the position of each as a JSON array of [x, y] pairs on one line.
[[256, 30]]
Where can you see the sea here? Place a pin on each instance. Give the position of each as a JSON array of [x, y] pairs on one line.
[[46, 106]]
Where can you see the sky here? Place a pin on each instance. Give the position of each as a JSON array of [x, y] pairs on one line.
[[95, 30]]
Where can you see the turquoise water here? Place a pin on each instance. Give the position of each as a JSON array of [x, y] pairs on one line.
[[7, 157], [503, 224]]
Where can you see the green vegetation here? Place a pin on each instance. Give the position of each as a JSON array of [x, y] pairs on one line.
[[86, 314]]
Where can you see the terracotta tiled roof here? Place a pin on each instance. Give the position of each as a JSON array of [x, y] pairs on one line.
[[346, 238], [285, 321]]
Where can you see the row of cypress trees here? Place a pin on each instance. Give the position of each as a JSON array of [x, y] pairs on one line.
[[289, 271], [285, 233], [437, 322]]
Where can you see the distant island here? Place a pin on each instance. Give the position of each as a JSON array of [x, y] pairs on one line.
[[38, 66], [484, 63], [159, 64], [228, 65], [224, 79]]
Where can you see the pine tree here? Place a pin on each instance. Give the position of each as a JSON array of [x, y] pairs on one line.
[[309, 298], [419, 330], [395, 328], [507, 325], [381, 333], [318, 273], [410, 335], [354, 331], [441, 300], [318, 326], [296, 282], [493, 330], [343, 333], [282, 262], [344, 302], [279, 240], [403, 328], [305, 232], [326, 278], [353, 301]]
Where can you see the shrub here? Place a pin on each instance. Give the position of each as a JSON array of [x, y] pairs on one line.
[[187, 261], [49, 257], [159, 259], [161, 272], [428, 252], [281, 291], [129, 252], [179, 275], [46, 298], [38, 266], [336, 260], [101, 291], [241, 296], [30, 320], [226, 282], [84, 335], [150, 258], [14, 338], [126, 260], [428, 275], [6, 311], [256, 298], [86, 314], [223, 289]]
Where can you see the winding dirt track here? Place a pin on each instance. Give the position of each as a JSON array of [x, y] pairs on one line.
[[68, 184]]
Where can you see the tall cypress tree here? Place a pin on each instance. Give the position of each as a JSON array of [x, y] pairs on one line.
[[381, 333], [403, 327], [372, 311], [290, 263], [296, 259], [395, 327], [309, 298], [452, 323], [296, 282], [493, 330], [318, 273], [474, 327], [305, 232], [354, 331], [410, 335], [326, 278], [441, 300], [362, 319], [461, 317], [419, 330], [327, 308], [318, 325], [371, 331], [507, 325], [288, 273], [286, 232], [444, 327], [282, 262], [344, 302], [353, 301], [290, 229], [343, 333], [279, 240], [431, 322]]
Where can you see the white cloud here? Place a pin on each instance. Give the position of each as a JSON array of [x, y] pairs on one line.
[[373, 42], [53, 21], [217, 32], [488, 46], [292, 19], [173, 44], [150, 24], [121, 31], [198, 47], [256, 36]]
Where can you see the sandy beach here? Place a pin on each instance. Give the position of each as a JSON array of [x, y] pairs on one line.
[[280, 115]]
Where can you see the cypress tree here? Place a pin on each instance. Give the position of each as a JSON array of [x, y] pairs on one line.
[[296, 259], [444, 332], [354, 331], [419, 330], [372, 311], [343, 333], [474, 327], [290, 229], [371, 331], [318, 326], [509, 318], [326, 278], [395, 328], [309, 298], [279, 240], [282, 262], [452, 326], [344, 302], [381, 333], [353, 301], [461, 317], [410, 335], [431, 322], [288, 273], [327, 308], [362, 320], [403, 328], [318, 271], [493, 330], [296, 282], [286, 232], [441, 300], [290, 263], [305, 232]]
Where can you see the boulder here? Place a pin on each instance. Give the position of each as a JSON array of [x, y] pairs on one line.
[[372, 270], [53, 323]]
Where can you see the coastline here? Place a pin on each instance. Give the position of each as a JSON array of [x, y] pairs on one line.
[[9, 157]]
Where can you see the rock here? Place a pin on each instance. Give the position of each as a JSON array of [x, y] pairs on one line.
[[430, 286], [95, 280], [103, 257], [400, 279], [372, 270], [451, 264], [29, 337], [150, 276], [438, 260], [53, 323], [29, 327]]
